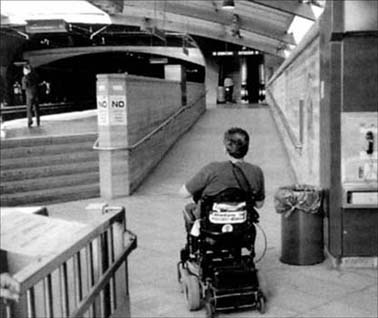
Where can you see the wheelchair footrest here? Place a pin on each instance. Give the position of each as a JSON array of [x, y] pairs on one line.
[[235, 278], [235, 299]]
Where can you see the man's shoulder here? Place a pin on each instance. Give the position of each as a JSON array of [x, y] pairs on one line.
[[218, 164], [253, 167], [215, 165]]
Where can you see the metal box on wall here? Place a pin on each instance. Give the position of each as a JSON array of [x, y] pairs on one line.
[[359, 160]]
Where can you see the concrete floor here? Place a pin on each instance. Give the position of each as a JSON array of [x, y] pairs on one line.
[[154, 214]]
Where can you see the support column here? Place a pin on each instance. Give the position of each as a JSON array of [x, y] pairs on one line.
[[348, 95], [177, 72], [113, 136]]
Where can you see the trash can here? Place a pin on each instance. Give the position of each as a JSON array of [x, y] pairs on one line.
[[301, 224]]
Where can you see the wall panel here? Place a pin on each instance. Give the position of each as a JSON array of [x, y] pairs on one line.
[[296, 93]]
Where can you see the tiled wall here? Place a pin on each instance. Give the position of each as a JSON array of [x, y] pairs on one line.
[[150, 102], [297, 87]]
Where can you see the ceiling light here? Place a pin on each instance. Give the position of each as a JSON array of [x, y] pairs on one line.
[[228, 4]]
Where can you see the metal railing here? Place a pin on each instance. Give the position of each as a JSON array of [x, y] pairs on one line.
[[19, 111], [294, 140], [88, 279]]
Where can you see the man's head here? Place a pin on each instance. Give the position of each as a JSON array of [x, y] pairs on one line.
[[236, 141], [26, 69]]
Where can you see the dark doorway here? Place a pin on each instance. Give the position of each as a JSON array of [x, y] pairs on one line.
[[254, 83]]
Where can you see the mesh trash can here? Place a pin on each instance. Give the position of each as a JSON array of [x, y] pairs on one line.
[[301, 224]]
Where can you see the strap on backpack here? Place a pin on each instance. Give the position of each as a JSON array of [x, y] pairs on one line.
[[245, 186], [241, 178]]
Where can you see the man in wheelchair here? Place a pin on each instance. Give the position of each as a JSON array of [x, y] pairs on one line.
[[216, 177], [220, 225]]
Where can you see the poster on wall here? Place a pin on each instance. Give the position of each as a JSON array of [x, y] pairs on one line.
[[102, 110], [359, 155], [117, 110]]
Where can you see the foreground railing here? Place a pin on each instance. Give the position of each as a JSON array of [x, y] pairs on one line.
[[88, 279]]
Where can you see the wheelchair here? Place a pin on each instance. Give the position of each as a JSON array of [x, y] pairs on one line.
[[216, 267]]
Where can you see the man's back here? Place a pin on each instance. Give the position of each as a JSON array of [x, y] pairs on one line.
[[30, 83], [218, 176]]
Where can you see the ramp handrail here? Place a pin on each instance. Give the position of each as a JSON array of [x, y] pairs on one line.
[[153, 132], [297, 145]]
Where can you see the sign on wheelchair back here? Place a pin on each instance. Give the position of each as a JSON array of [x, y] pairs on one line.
[[228, 217]]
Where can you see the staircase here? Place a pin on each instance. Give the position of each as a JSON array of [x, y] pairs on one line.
[[46, 170]]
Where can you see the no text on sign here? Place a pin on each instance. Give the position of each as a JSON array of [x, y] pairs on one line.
[[102, 110], [111, 110], [117, 110], [118, 103]]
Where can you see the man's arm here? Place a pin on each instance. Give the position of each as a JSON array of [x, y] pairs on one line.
[[9, 287], [260, 195], [23, 82]]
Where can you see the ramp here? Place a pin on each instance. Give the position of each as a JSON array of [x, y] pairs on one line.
[[154, 211]]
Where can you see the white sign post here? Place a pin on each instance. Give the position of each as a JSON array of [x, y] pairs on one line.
[[113, 137]]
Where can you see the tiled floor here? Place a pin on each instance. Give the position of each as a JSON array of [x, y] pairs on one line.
[[154, 214]]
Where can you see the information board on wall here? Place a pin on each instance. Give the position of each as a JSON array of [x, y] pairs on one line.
[[102, 110], [359, 144], [111, 110], [117, 110]]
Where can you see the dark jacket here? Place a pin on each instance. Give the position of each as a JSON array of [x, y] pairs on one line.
[[30, 83]]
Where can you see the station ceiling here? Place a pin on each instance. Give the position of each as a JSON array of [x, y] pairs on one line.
[[259, 24]]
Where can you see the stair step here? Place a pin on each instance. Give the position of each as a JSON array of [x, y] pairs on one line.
[[44, 141], [21, 186], [43, 150], [48, 171], [50, 196], [54, 159]]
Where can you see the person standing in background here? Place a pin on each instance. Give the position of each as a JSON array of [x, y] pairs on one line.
[[229, 89], [17, 93], [30, 83]]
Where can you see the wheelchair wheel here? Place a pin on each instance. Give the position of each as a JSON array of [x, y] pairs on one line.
[[260, 305], [192, 291]]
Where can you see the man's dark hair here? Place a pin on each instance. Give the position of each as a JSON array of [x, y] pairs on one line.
[[236, 141]]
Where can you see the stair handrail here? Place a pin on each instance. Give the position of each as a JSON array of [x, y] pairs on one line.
[[153, 132]]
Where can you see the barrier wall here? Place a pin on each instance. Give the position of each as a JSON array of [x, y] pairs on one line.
[[150, 101], [294, 96], [178, 119], [139, 119]]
